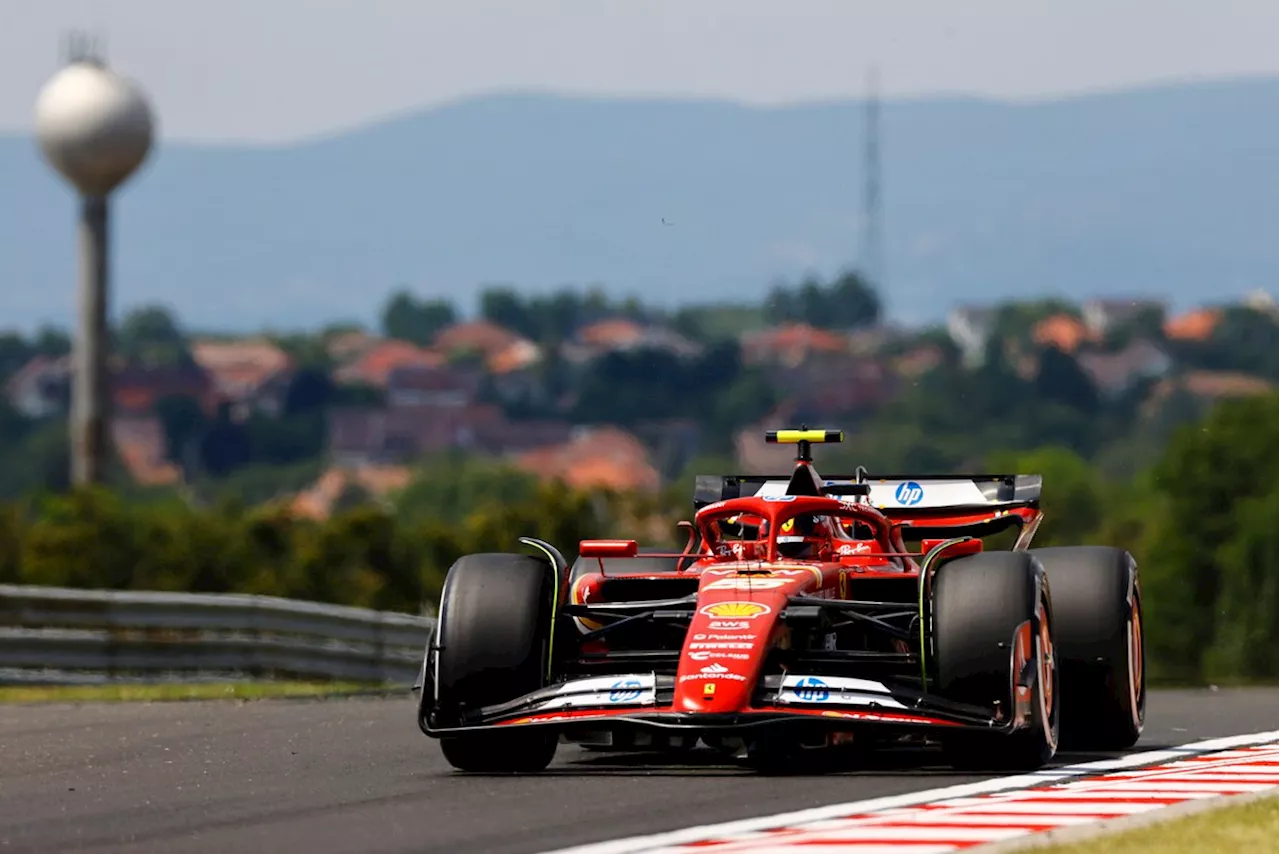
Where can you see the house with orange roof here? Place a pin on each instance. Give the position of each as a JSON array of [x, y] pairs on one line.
[[1062, 331], [139, 442], [482, 338], [622, 335], [321, 499], [1198, 324], [617, 333], [421, 385], [347, 346], [918, 361], [136, 390], [509, 358], [595, 458], [791, 344], [250, 374], [374, 366]]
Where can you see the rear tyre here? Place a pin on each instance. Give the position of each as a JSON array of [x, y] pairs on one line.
[[494, 630], [992, 624], [1101, 650]]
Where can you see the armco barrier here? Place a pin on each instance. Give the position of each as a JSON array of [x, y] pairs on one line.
[[55, 635]]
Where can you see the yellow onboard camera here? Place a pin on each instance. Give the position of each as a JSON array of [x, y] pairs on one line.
[[794, 437]]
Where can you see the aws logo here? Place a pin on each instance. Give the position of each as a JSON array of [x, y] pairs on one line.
[[735, 610]]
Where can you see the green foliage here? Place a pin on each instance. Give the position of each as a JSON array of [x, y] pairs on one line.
[[1244, 340], [629, 388], [418, 321], [848, 302], [1216, 481], [150, 337], [363, 555], [1074, 494], [447, 487], [557, 316], [719, 321], [307, 351]]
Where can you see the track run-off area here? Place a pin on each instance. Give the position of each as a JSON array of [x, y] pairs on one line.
[[356, 775]]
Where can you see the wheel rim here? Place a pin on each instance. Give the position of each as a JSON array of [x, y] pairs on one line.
[[1048, 666], [1136, 675], [1047, 676]]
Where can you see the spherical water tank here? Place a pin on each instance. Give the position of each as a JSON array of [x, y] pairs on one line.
[[94, 127]]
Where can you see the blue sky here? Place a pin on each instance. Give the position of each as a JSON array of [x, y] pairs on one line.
[[272, 70]]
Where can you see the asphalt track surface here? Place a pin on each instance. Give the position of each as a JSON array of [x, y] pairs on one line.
[[355, 775]]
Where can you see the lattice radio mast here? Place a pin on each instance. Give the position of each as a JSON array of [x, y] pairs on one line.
[[872, 249]]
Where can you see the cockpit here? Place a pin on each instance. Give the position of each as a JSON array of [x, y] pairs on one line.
[[802, 535]]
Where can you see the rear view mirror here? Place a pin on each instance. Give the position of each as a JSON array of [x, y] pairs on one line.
[[968, 547], [607, 548]]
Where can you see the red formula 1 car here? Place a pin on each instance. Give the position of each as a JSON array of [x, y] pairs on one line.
[[798, 617]]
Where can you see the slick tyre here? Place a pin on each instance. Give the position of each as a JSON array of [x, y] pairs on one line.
[[1097, 606], [494, 639], [992, 625]]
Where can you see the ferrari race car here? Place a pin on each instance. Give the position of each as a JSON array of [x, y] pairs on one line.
[[796, 618]]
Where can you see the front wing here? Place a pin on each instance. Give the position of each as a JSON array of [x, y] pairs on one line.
[[644, 701]]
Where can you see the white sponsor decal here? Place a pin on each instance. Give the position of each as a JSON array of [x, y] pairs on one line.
[[634, 690], [747, 583], [714, 671], [934, 493], [854, 548], [720, 645], [960, 492], [837, 690], [701, 636], [729, 625], [709, 655]]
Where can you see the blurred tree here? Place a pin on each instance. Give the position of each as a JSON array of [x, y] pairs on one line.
[[15, 352], [501, 304], [418, 321], [848, 302], [1060, 379], [52, 342], [1209, 473], [151, 338], [1075, 497]]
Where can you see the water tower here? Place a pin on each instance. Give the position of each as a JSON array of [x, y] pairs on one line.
[[95, 129]]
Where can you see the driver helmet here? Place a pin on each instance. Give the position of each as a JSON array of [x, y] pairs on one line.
[[793, 536]]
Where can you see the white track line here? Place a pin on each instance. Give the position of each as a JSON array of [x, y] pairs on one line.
[[636, 844]]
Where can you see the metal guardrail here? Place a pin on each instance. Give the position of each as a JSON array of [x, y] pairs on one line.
[[52, 635]]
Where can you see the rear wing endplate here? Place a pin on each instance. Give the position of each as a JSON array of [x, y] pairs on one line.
[[898, 493]]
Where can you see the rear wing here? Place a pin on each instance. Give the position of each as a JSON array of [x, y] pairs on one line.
[[897, 494]]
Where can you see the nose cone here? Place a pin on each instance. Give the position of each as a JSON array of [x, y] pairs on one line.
[[728, 639]]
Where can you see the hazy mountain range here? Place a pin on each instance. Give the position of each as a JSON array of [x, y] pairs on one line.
[[1168, 190]]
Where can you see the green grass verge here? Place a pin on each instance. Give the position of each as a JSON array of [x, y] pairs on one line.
[[162, 692], [1252, 827]]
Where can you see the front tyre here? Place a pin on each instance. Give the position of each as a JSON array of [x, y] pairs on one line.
[[493, 646], [995, 648], [504, 752]]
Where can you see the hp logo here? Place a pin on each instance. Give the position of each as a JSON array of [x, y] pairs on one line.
[[811, 689], [625, 690], [908, 493]]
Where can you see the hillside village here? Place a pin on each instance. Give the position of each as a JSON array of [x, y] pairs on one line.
[[480, 387]]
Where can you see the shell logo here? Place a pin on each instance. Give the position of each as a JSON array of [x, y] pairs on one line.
[[740, 610]]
